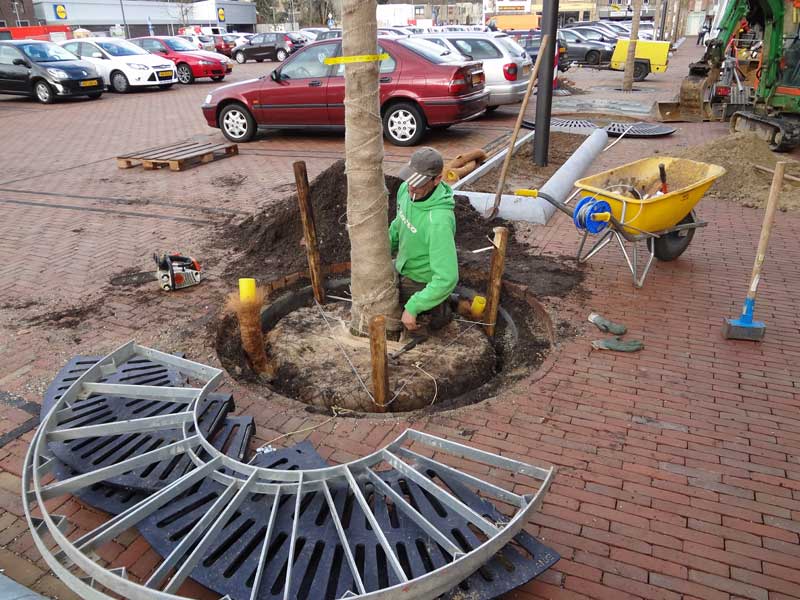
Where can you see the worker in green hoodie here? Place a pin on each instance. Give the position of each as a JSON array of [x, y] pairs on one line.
[[423, 235]]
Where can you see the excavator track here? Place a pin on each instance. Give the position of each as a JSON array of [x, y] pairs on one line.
[[780, 133]]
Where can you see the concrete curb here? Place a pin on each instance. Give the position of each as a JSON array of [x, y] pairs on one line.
[[11, 590]]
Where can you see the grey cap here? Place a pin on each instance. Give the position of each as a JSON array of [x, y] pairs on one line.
[[425, 164]]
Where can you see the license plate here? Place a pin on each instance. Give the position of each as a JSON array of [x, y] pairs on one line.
[[165, 74], [89, 83], [526, 70]]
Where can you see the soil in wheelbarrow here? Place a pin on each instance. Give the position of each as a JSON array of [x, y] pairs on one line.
[[742, 182], [270, 243]]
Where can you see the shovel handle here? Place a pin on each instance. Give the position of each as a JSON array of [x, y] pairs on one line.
[[766, 227]]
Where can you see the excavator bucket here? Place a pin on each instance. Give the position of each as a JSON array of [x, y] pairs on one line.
[[693, 106]]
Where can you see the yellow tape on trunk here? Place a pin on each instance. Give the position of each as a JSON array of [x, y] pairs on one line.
[[346, 60]]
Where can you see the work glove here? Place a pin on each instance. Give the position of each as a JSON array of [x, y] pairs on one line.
[[607, 326], [618, 345]]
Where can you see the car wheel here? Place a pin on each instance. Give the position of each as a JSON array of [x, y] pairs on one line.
[[593, 57], [44, 93], [240, 58], [403, 124], [94, 96], [119, 82], [281, 55], [236, 123], [640, 71], [218, 78], [185, 74]]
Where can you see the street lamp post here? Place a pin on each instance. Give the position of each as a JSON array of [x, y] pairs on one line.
[[124, 21], [15, 8], [291, 8]]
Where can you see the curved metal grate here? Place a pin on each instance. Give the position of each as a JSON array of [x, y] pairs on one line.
[[639, 130], [408, 519]]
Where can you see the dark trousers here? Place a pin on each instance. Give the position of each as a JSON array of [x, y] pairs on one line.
[[438, 316], [700, 38]]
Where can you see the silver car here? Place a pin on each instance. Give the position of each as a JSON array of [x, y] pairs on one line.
[[505, 63]]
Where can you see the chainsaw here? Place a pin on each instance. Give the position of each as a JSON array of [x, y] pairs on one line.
[[173, 272]]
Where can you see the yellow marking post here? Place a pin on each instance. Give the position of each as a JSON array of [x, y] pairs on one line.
[[346, 60], [247, 289], [529, 193]]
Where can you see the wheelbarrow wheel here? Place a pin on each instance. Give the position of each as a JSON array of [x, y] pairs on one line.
[[671, 245]]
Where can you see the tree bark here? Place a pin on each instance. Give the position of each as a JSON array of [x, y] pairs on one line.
[[627, 79], [373, 279]]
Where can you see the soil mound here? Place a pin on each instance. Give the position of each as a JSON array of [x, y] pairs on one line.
[[271, 240], [742, 182]]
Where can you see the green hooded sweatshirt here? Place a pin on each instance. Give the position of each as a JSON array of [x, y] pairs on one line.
[[423, 235]]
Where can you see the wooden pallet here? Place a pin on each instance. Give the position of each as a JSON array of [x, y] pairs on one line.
[[178, 156]]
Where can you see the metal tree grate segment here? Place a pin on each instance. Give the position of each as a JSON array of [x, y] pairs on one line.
[[638, 130], [406, 519]]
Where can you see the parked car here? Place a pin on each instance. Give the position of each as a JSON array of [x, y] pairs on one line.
[[201, 42], [531, 41], [45, 71], [596, 34], [313, 31], [329, 35], [122, 64], [224, 44], [506, 64], [583, 50], [606, 27], [419, 88], [239, 38], [190, 63], [269, 46]]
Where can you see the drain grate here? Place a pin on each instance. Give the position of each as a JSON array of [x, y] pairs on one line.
[[286, 524], [90, 453], [639, 130]]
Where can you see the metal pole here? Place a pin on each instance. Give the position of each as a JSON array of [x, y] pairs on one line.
[[15, 6], [544, 94], [124, 21], [664, 9], [291, 8]]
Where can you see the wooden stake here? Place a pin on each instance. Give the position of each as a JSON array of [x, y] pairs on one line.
[[495, 279], [309, 230], [544, 49], [377, 350]]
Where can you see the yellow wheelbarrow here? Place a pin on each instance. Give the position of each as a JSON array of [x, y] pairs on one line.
[[650, 200]]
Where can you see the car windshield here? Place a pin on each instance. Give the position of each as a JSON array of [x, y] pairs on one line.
[[179, 44], [429, 51], [295, 37], [46, 52], [592, 34], [510, 45], [121, 48], [205, 38], [230, 38]]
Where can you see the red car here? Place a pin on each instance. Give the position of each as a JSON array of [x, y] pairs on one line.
[[190, 62], [421, 85], [224, 44]]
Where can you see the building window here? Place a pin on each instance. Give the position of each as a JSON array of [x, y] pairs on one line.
[[419, 11], [3, 23], [24, 23]]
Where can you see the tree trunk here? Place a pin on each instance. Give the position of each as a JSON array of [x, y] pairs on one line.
[[627, 79], [373, 279]]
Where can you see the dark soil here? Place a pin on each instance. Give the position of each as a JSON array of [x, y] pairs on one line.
[[67, 318], [271, 241]]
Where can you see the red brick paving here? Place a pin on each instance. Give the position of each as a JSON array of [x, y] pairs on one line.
[[678, 470]]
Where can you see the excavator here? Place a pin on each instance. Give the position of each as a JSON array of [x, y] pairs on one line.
[[768, 103]]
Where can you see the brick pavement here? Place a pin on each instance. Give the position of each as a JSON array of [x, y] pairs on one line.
[[678, 466]]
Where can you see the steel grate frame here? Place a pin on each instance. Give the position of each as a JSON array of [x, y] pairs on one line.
[[450, 530]]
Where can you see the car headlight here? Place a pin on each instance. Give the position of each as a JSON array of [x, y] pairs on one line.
[[138, 66], [58, 73], [207, 100], [207, 62]]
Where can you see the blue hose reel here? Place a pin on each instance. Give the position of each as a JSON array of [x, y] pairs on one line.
[[584, 212]]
